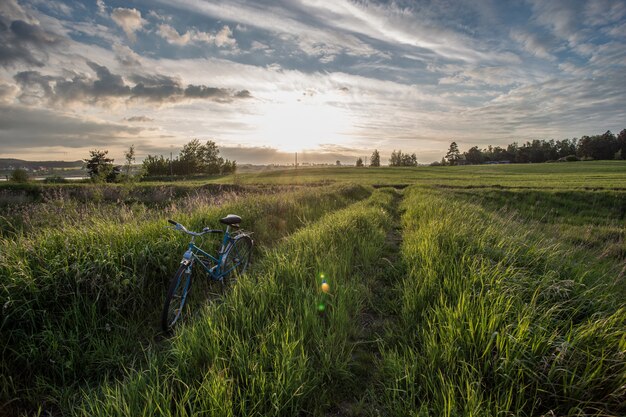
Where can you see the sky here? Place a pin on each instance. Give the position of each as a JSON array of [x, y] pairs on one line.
[[329, 79]]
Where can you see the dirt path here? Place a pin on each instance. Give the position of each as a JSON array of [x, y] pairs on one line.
[[377, 320]]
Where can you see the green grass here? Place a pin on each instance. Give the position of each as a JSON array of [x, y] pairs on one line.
[[476, 291], [592, 174], [266, 350], [81, 303], [497, 319]]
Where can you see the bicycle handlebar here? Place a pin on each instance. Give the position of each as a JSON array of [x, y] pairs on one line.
[[178, 226]]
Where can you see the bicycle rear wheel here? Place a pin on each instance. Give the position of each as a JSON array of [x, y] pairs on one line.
[[236, 259], [176, 297]]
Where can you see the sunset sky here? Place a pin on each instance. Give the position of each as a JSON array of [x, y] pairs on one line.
[[329, 79]]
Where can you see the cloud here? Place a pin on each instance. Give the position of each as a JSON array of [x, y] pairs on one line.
[[139, 119], [102, 8], [262, 155], [172, 36], [126, 56], [313, 40], [23, 128], [129, 20], [26, 43], [7, 92], [11, 10], [260, 46], [107, 88], [223, 38], [535, 43]]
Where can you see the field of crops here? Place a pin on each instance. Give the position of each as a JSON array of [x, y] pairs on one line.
[[454, 291]]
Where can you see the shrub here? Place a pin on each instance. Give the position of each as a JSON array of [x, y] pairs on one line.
[[55, 179], [20, 175]]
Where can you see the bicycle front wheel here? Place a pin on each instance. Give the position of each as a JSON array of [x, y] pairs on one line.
[[236, 259], [176, 297]]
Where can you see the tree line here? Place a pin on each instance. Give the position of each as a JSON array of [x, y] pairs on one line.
[[194, 158], [397, 159], [598, 147]]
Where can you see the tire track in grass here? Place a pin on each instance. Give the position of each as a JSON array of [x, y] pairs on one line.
[[376, 322], [266, 351], [81, 340]]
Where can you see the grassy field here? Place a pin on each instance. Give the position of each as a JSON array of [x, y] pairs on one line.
[[463, 291], [592, 174]]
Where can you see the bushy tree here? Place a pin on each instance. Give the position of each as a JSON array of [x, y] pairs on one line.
[[399, 159], [156, 165], [375, 159], [194, 158], [359, 162], [99, 166], [19, 175], [598, 147], [474, 156]]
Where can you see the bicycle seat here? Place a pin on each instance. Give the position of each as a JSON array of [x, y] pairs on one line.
[[230, 219]]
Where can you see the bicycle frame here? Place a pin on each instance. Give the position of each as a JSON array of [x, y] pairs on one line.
[[215, 272]]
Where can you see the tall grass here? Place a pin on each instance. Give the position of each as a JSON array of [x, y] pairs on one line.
[[497, 321], [80, 303], [266, 351]]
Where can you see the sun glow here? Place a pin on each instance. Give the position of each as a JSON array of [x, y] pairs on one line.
[[301, 124]]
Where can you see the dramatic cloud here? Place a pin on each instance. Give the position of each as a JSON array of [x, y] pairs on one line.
[[107, 87], [22, 127], [331, 79], [22, 42], [129, 20]]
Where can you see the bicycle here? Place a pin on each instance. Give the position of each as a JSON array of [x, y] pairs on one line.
[[231, 261]]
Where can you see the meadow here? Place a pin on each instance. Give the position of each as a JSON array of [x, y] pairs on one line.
[[454, 291]]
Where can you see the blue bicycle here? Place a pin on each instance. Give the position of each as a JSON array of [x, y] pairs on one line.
[[231, 261]]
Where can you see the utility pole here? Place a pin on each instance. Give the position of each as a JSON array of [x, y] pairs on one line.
[[296, 160], [171, 172]]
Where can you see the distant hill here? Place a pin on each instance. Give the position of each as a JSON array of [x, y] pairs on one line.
[[8, 163]]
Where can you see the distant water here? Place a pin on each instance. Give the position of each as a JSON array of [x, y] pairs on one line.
[[3, 178]]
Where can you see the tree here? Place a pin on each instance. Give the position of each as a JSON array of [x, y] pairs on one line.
[[621, 144], [338, 163], [399, 159], [19, 175], [153, 165], [210, 160], [359, 162], [130, 158], [474, 156], [190, 157], [375, 159], [453, 154], [99, 166], [598, 147]]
